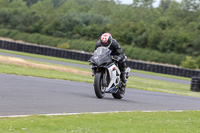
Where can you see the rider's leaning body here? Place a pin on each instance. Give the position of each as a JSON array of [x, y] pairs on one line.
[[106, 40]]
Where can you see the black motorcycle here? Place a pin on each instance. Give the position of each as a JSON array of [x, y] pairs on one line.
[[107, 74]]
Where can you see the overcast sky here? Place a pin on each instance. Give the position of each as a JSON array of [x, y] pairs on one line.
[[156, 3]]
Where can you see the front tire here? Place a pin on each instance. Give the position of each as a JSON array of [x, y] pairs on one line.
[[98, 88]]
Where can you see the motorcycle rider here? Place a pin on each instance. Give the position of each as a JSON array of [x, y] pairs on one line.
[[106, 40]]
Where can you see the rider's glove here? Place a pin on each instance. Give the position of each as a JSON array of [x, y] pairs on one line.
[[117, 58]]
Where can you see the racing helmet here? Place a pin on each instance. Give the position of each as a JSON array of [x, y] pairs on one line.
[[106, 39]]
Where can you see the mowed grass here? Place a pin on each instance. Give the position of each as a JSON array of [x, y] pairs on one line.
[[133, 82], [84, 63], [44, 57], [124, 122], [161, 86], [45, 73]]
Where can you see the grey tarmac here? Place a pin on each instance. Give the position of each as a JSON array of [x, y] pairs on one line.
[[25, 95]]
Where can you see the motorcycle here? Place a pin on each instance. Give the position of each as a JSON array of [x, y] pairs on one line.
[[107, 74]]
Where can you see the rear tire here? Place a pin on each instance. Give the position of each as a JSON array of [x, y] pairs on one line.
[[98, 88], [120, 93]]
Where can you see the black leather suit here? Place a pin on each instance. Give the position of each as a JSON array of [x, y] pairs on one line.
[[116, 50]]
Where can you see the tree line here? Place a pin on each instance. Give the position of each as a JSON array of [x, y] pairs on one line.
[[172, 28]]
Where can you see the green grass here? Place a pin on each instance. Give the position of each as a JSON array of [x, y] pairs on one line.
[[132, 122], [44, 57], [133, 82], [160, 86], [162, 75], [53, 64], [84, 63], [27, 71]]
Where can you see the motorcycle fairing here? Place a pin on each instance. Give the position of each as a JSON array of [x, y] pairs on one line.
[[114, 73], [114, 89]]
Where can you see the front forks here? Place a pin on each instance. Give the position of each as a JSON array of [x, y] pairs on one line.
[[104, 80], [104, 76]]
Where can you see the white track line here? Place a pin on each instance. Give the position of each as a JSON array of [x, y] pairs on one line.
[[59, 114]]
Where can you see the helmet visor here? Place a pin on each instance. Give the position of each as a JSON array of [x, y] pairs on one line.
[[104, 44]]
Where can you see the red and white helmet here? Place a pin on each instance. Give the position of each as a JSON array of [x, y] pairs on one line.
[[106, 39]]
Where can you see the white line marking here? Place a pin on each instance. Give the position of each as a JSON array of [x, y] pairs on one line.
[[58, 114]]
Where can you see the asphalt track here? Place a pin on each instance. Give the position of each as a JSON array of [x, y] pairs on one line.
[[87, 66], [24, 95]]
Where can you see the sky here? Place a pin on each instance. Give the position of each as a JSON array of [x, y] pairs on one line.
[[156, 3]]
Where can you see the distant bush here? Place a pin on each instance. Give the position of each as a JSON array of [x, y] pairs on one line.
[[153, 55], [63, 46], [88, 46], [189, 63], [82, 45], [76, 44], [198, 61], [32, 38]]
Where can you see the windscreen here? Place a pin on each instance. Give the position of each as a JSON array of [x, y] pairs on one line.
[[101, 51]]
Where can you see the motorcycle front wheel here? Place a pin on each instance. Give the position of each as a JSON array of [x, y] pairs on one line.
[[98, 88]]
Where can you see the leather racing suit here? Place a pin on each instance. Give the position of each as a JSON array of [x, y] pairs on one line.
[[117, 51]]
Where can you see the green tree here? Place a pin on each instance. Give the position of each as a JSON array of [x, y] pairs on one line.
[[30, 2], [196, 47], [164, 4], [107, 6], [122, 32], [154, 38], [4, 4], [43, 7], [67, 6], [143, 3], [57, 3], [189, 63], [171, 28], [18, 5], [191, 5]]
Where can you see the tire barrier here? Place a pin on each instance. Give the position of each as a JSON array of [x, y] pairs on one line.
[[195, 83], [82, 56], [163, 69], [44, 50]]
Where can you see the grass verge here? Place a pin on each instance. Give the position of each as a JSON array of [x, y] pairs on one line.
[[84, 63], [48, 70], [44, 57], [131, 122], [45, 73]]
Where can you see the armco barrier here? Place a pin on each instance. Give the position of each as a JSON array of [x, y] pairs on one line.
[[52, 51]]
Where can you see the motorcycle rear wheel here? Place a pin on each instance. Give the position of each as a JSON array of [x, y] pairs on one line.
[[98, 88], [120, 93]]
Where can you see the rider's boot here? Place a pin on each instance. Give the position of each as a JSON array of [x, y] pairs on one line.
[[123, 78]]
